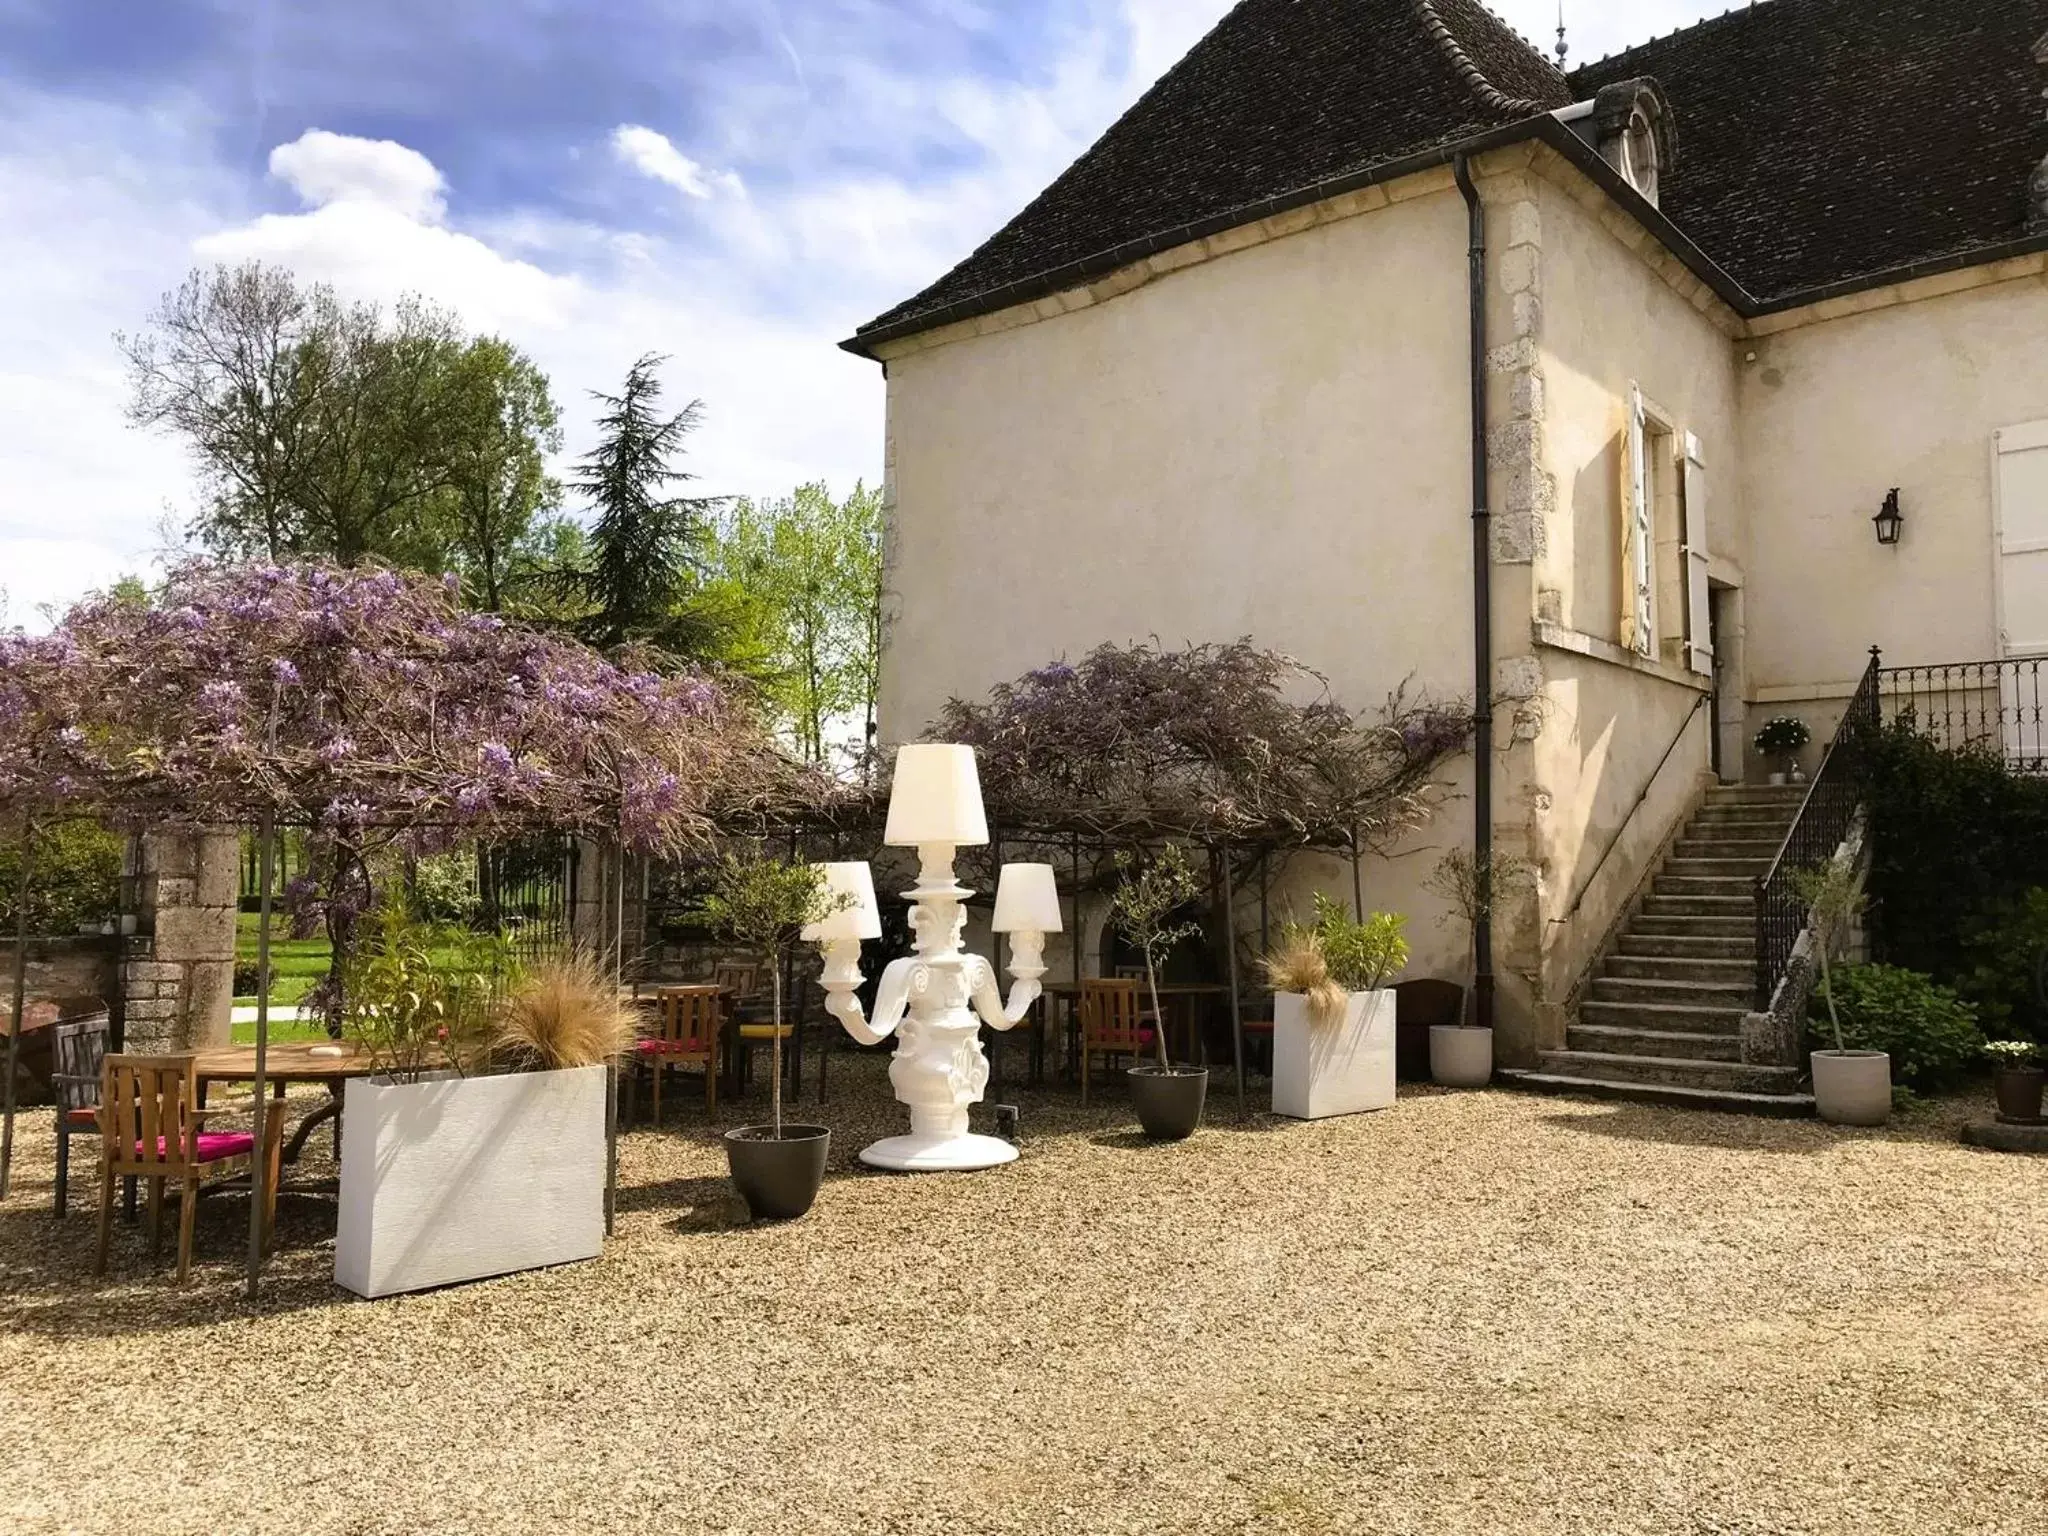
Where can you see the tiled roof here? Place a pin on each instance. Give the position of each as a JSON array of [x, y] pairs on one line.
[[1824, 140], [1820, 140], [1280, 95]]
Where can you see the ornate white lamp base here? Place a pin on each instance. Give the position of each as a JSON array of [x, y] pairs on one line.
[[937, 1154]]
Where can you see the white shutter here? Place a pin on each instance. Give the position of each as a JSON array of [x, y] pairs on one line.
[[2021, 493], [1692, 485], [1638, 629]]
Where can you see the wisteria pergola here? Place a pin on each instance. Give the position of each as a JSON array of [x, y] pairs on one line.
[[1234, 749], [366, 705]]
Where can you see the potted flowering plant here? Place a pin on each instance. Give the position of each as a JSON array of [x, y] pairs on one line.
[[762, 904], [453, 1167], [1780, 739], [2018, 1080], [1333, 1012], [1168, 1098]]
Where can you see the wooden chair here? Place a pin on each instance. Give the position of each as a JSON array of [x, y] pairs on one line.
[[688, 1022], [1112, 1023], [150, 1129], [77, 1048]]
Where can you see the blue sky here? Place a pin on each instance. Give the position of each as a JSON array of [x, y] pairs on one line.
[[735, 182]]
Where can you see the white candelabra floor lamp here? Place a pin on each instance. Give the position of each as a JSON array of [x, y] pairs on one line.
[[936, 999]]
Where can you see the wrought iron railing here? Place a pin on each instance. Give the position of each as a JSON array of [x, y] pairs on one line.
[[2002, 705], [1816, 832]]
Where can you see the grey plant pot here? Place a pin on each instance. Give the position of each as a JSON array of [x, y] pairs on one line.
[[1852, 1087], [1169, 1100], [777, 1179], [1460, 1055]]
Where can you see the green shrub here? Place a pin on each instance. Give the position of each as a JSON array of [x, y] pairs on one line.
[[444, 888], [2000, 969], [1957, 840], [74, 877], [1930, 1033]]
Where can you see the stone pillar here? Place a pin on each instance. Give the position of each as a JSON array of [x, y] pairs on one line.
[[179, 980]]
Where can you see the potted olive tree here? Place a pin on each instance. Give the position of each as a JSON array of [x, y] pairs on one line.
[[1333, 1012], [478, 1146], [1850, 1087], [1168, 1098], [1780, 739], [1461, 1054], [762, 904], [2018, 1079]]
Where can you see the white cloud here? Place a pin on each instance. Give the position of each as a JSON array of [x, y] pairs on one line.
[[325, 168], [651, 154]]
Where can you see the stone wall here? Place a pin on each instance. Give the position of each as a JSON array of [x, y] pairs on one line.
[[178, 982]]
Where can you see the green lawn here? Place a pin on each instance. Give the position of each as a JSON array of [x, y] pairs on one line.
[[296, 963], [280, 1029]]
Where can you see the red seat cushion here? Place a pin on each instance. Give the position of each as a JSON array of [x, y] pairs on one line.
[[86, 1115], [653, 1046], [1258, 1026], [211, 1146]]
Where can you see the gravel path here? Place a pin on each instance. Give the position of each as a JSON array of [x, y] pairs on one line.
[[1480, 1312]]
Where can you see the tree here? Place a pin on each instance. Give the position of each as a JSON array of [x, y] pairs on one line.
[[646, 547], [796, 587], [499, 483], [325, 429]]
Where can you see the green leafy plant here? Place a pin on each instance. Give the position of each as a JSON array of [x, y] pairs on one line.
[[2013, 1053], [1832, 894], [762, 904], [74, 877], [1148, 896], [1336, 955], [1930, 1034], [1782, 735], [418, 998]]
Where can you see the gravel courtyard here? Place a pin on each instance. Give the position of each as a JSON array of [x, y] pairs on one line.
[[1480, 1312]]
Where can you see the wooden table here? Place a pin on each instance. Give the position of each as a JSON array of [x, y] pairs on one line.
[[1184, 994], [286, 1062]]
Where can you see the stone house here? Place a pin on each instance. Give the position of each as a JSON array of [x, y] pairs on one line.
[[1714, 298]]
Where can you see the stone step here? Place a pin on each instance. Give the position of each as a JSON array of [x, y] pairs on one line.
[[1691, 868], [1739, 922], [1684, 942], [1678, 1018], [1742, 816], [1672, 1071], [1757, 794], [1758, 851], [1706, 970], [1787, 1106], [1727, 887], [1688, 994], [1618, 1040]]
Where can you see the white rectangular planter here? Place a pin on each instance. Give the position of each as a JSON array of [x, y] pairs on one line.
[[1338, 1068], [459, 1178]]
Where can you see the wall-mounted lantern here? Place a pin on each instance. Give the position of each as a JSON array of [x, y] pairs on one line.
[[1889, 519]]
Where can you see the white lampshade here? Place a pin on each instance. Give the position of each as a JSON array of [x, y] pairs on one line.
[[1027, 901], [935, 797], [858, 917]]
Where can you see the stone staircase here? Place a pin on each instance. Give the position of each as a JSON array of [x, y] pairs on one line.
[[1662, 1020]]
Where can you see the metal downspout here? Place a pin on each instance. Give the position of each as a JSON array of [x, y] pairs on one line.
[[1482, 613]]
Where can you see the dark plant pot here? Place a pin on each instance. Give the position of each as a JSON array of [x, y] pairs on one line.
[[1169, 1099], [777, 1179], [2018, 1090]]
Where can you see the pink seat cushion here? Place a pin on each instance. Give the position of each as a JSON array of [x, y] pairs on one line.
[[658, 1047], [211, 1147]]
